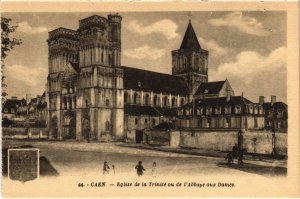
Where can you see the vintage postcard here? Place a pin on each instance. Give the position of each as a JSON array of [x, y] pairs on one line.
[[150, 99]]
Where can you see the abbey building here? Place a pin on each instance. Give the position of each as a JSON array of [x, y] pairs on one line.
[[91, 95]]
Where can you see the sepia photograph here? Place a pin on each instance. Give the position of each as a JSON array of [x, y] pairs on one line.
[[186, 101]]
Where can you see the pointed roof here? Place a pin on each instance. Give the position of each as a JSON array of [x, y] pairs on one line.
[[210, 87], [137, 79], [190, 41]]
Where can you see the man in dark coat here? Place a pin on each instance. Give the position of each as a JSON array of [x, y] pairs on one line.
[[229, 158], [140, 169]]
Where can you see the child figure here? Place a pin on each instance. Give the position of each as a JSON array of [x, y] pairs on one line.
[[113, 168], [105, 168], [154, 170]]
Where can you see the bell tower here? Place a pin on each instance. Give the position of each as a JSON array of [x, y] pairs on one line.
[[190, 60]]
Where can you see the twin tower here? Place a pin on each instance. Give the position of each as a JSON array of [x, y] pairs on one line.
[[85, 81]]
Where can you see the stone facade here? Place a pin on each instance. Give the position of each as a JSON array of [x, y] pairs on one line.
[[85, 81]]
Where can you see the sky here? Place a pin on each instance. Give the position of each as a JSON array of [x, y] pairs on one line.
[[247, 48]]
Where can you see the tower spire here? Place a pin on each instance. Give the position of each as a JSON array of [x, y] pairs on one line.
[[190, 40], [190, 16]]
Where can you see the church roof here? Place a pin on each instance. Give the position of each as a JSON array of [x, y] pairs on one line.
[[75, 66], [190, 41], [137, 79], [276, 105], [234, 100], [220, 101], [210, 87], [138, 110]]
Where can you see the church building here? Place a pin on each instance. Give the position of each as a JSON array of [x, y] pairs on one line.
[[91, 95]]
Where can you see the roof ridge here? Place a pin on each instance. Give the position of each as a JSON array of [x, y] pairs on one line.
[[148, 71]]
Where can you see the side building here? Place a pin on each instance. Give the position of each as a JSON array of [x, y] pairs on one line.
[[9, 110]]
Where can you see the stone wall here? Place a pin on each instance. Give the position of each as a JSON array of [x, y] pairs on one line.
[[130, 135], [215, 140], [22, 133], [281, 143], [157, 137], [253, 142]]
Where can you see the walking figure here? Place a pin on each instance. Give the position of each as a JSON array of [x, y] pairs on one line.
[[87, 131], [105, 168], [140, 169], [235, 152], [113, 168], [229, 158], [154, 169]]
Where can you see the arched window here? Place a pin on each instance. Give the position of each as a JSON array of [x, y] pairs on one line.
[[208, 110], [217, 110], [250, 109], [136, 121], [227, 122], [109, 59], [255, 122], [182, 102], [156, 100], [65, 102], [199, 111], [102, 55], [153, 122], [237, 109], [136, 98], [208, 123], [147, 99], [126, 98], [173, 102], [107, 126], [113, 59], [70, 102], [86, 103], [166, 101], [74, 98], [227, 109], [107, 102]]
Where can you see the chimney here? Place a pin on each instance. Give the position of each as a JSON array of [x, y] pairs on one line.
[[273, 100], [261, 99]]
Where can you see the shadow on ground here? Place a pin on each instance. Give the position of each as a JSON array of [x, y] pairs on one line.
[[257, 169], [46, 168]]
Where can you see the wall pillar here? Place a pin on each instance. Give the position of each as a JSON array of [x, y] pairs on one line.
[[78, 124]]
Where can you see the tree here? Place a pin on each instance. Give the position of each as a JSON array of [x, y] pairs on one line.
[[7, 44]]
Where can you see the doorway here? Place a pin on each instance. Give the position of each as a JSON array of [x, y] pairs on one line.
[[72, 129], [139, 136]]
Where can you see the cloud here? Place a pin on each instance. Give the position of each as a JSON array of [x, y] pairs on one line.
[[249, 64], [213, 47], [24, 75], [242, 23], [166, 27], [145, 52], [26, 28]]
